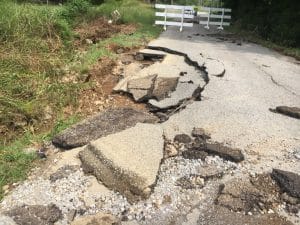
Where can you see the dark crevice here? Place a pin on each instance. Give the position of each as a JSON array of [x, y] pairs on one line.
[[164, 114], [187, 59]]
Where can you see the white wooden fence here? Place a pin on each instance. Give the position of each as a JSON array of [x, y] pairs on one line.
[[175, 12], [214, 16]]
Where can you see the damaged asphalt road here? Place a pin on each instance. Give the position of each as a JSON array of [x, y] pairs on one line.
[[204, 162]]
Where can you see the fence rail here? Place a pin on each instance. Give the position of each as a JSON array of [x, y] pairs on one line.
[[174, 11], [214, 13]]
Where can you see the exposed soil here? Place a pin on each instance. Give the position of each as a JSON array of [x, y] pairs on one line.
[[100, 29], [104, 76]]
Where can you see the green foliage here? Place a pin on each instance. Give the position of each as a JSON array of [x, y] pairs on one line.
[[273, 20], [35, 49], [132, 11], [74, 9]]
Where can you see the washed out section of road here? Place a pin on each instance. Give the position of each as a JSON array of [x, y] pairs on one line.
[[193, 184]]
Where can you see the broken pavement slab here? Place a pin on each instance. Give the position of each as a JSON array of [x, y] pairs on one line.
[[288, 111], [152, 54], [288, 181], [141, 88], [183, 91], [127, 161], [171, 85], [105, 123]]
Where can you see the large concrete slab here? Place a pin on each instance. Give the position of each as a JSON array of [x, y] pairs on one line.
[[172, 70], [127, 161]]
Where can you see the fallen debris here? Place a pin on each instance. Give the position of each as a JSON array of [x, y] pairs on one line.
[[225, 152], [243, 195], [218, 215], [35, 214], [129, 165], [210, 172], [108, 122], [288, 111], [288, 181], [141, 88]]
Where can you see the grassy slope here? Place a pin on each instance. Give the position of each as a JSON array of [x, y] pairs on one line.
[[33, 50]]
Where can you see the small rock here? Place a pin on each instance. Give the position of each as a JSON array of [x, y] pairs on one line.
[[170, 150], [270, 211], [190, 182], [182, 138], [167, 199], [182, 73], [88, 41]]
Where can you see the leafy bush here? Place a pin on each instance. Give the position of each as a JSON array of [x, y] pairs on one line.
[[274, 20]]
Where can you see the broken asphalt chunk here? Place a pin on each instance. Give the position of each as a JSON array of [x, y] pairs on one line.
[[35, 214], [105, 123], [288, 181], [288, 111], [232, 154]]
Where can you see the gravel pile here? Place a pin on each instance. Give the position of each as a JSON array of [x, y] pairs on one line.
[[72, 193]]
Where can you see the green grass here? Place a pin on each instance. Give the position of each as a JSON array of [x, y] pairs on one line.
[[35, 48], [253, 37], [100, 49], [15, 162]]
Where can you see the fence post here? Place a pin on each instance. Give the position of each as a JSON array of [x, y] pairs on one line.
[[222, 18], [165, 26], [182, 11], [208, 19]]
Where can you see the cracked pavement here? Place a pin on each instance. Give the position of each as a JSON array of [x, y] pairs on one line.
[[234, 110]]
